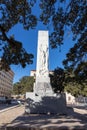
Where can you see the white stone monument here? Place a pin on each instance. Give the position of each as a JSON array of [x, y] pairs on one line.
[[43, 100], [42, 84]]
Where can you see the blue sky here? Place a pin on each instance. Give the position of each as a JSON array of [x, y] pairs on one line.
[[29, 40]]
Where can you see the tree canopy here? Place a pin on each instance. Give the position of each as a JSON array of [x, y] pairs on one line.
[[74, 85], [24, 85], [62, 15], [57, 80], [68, 15], [62, 80], [11, 13]]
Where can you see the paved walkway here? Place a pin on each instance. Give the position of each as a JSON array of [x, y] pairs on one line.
[[74, 120], [9, 114], [15, 118]]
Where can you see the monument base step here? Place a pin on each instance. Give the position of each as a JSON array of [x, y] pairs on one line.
[[46, 105]]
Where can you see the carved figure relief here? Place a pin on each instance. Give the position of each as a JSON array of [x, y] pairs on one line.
[[44, 60]]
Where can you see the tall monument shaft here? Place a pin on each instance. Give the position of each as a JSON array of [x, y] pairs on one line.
[[42, 85], [42, 54]]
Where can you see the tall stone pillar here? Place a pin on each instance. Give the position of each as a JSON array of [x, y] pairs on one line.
[[43, 100], [42, 85]]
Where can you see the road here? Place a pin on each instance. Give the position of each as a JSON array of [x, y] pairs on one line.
[[4, 106]]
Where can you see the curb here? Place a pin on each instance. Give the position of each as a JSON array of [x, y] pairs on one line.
[[6, 109]]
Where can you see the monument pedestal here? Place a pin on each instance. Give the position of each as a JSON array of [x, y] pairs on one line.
[[47, 105]]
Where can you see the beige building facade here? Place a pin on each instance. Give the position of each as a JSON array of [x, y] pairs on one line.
[[6, 83]]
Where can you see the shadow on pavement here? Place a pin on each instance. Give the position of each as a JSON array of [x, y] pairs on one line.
[[71, 121]]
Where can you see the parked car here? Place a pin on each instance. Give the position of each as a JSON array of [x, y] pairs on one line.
[[14, 101]]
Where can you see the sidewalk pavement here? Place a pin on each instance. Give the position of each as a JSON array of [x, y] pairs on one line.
[[10, 114], [76, 119]]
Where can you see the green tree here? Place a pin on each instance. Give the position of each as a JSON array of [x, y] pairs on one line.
[[74, 85], [11, 13], [76, 89], [17, 88], [57, 80], [68, 17], [27, 82], [24, 85]]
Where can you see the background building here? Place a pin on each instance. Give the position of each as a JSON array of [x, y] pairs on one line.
[[6, 83]]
